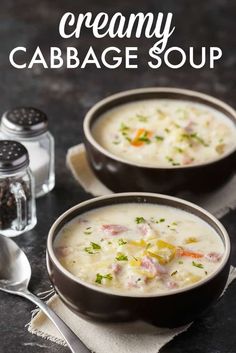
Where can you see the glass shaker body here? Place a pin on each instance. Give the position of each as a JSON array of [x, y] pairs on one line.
[[17, 199], [41, 155]]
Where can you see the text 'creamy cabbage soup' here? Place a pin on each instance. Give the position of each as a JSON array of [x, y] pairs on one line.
[[139, 248], [165, 133]]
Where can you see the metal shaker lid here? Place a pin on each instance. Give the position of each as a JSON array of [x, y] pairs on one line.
[[13, 156], [24, 122]]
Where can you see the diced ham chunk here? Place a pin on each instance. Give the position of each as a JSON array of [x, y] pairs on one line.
[[116, 268], [189, 127], [63, 250], [171, 285], [145, 229], [153, 266], [187, 160], [114, 229], [213, 257]]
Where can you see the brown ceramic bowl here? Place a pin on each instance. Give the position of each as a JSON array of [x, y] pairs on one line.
[[122, 175], [172, 309]]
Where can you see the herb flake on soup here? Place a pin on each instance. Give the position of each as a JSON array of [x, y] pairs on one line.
[[142, 248], [165, 133]]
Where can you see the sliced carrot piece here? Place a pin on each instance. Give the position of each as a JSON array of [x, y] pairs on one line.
[[137, 140], [194, 255]]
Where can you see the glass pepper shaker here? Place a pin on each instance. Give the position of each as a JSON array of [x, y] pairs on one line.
[[17, 200], [30, 127]]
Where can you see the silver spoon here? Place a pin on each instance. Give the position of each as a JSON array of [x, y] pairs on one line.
[[15, 274]]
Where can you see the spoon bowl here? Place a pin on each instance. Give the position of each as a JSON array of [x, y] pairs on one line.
[[15, 274], [15, 270]]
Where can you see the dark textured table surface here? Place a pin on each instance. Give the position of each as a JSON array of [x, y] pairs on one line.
[[67, 94]]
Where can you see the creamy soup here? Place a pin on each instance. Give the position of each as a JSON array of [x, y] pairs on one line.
[[165, 133], [139, 248]]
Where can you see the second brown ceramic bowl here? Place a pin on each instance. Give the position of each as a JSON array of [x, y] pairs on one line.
[[169, 309], [121, 175]]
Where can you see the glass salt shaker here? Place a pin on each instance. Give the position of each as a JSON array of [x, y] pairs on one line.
[[30, 127], [17, 199]]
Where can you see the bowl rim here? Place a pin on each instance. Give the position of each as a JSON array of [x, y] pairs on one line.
[[192, 206], [206, 99]]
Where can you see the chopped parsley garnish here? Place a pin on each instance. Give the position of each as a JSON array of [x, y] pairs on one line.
[[177, 125], [180, 262], [89, 250], [197, 264], [121, 257], [93, 246], [100, 277], [196, 137], [190, 240], [144, 137], [116, 142], [88, 231], [139, 220], [128, 138], [167, 130], [171, 160], [122, 242], [174, 273], [142, 118], [161, 114], [159, 138], [179, 150], [199, 139], [170, 227], [186, 136], [161, 220], [124, 129]]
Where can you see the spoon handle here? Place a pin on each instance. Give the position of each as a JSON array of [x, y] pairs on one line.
[[73, 342]]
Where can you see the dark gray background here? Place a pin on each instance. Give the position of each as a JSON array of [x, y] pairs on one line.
[[66, 95]]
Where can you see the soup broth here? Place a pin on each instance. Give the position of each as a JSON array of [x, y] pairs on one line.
[[139, 248], [165, 133]]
